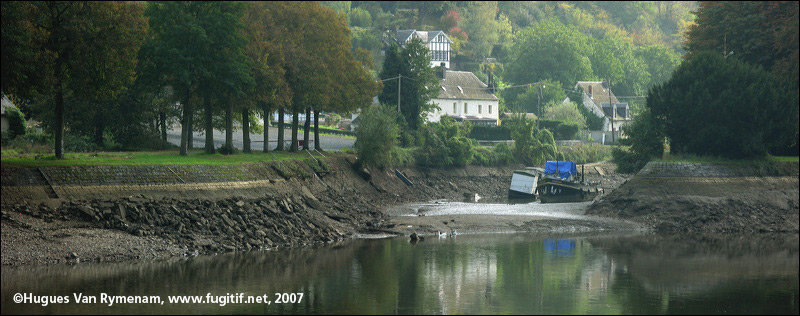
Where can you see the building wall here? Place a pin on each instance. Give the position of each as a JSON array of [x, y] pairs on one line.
[[488, 108]]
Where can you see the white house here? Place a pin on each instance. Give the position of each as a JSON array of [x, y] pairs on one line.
[[466, 98], [437, 41], [603, 103]]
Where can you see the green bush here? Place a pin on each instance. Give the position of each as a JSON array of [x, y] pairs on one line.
[[628, 161], [461, 150], [80, 144], [16, 122], [226, 149], [503, 154], [376, 136], [586, 153], [483, 132], [484, 157], [402, 157]]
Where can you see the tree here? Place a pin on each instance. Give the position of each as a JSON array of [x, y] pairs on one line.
[[83, 50], [531, 145], [565, 112], [531, 101], [660, 62], [723, 107], [376, 136], [419, 83], [481, 25], [270, 90], [177, 50], [551, 50]]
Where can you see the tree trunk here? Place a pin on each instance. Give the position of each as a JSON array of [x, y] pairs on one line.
[[209, 127], [295, 124], [59, 126], [185, 127], [163, 118], [246, 131], [267, 114], [317, 145], [190, 130], [229, 124], [99, 127], [281, 113], [307, 129]]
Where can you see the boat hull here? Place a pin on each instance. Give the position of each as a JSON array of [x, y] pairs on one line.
[[555, 191]]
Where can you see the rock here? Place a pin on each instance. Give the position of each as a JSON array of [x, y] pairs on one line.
[[240, 203]]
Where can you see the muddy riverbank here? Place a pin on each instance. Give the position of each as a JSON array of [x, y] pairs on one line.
[[693, 197], [108, 214]]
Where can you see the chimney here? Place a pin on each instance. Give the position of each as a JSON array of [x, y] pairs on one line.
[[444, 70]]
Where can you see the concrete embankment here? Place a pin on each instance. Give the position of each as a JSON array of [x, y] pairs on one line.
[[110, 213], [698, 197]]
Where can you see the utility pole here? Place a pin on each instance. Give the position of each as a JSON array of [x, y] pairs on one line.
[[607, 85], [399, 81]]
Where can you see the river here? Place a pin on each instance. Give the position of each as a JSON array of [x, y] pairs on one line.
[[588, 273]]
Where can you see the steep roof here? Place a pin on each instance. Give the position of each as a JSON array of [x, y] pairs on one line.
[[426, 36], [463, 85], [599, 94], [6, 103]]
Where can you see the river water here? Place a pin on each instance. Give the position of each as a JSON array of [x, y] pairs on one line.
[[606, 273]]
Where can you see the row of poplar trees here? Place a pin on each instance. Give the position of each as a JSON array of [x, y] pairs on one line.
[[217, 59]]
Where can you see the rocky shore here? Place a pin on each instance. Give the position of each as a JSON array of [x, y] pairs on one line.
[[288, 206]]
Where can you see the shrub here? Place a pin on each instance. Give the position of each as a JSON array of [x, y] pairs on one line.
[[628, 161], [76, 143], [484, 157], [226, 149], [16, 122], [586, 153], [503, 154], [482, 132], [376, 136]]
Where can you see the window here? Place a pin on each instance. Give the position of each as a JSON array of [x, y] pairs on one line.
[[490, 109], [465, 106], [454, 108], [480, 108]]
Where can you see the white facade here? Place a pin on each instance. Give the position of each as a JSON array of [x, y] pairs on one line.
[[437, 42], [468, 109]]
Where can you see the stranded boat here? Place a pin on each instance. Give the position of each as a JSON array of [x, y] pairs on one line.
[[561, 183], [523, 183]]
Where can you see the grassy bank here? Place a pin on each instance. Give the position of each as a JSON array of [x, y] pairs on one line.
[[717, 160], [170, 157]]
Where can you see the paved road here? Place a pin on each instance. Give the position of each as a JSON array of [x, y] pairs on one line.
[[329, 143]]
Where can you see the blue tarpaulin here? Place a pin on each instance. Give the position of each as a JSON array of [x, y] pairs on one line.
[[565, 168]]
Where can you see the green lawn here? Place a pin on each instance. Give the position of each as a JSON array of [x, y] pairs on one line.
[[169, 157], [717, 160]]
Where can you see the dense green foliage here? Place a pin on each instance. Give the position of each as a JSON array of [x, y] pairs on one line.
[[418, 82], [762, 33], [377, 136], [585, 153], [131, 69], [16, 122], [723, 107]]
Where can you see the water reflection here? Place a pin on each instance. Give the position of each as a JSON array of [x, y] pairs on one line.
[[469, 274]]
